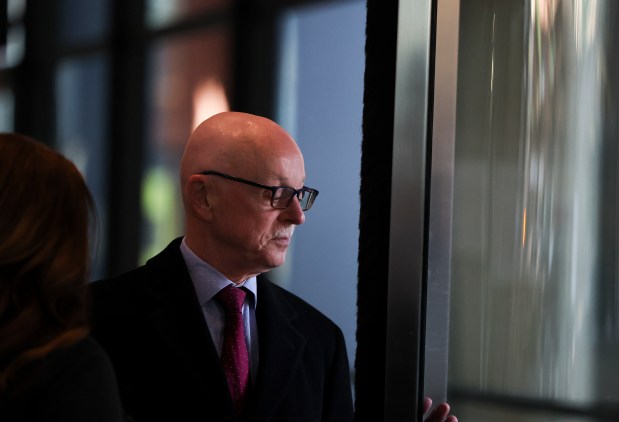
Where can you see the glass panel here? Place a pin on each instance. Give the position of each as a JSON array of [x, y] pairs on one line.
[[83, 21], [320, 104], [190, 82], [13, 43], [535, 270], [165, 12], [7, 110], [15, 10], [82, 104]]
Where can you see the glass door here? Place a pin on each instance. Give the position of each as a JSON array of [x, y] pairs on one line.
[[523, 228]]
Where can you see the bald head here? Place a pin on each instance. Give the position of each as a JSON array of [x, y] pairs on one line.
[[230, 141], [233, 226]]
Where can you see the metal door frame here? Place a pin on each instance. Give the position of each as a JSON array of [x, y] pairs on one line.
[[422, 185]]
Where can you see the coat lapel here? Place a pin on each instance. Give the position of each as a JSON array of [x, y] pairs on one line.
[[177, 317], [281, 347]]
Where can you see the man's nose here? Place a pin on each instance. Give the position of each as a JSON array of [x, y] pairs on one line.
[[293, 213]]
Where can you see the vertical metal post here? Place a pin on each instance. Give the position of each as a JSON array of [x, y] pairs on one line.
[[406, 248]]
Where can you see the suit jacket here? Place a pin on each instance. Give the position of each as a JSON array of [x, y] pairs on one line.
[[151, 325]]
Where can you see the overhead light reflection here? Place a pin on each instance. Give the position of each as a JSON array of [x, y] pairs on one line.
[[524, 226]]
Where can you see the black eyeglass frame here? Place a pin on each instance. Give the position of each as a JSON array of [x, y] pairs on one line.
[[299, 193]]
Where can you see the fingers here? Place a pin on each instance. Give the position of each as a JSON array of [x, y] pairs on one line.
[[427, 403], [440, 414]]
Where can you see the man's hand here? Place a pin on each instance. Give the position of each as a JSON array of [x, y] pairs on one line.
[[440, 414]]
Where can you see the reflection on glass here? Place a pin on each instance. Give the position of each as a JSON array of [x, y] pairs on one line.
[[12, 51], [7, 109], [160, 13], [83, 21], [190, 81], [15, 9], [81, 118], [529, 224], [15, 45]]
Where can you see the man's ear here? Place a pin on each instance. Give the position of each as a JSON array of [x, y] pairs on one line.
[[198, 194]]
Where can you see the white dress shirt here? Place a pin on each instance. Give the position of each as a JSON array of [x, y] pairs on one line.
[[208, 282]]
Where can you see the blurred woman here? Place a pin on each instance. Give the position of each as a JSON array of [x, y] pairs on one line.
[[50, 369]]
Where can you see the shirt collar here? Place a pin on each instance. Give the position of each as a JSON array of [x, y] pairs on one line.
[[207, 280]]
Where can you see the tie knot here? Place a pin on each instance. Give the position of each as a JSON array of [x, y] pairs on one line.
[[231, 298]]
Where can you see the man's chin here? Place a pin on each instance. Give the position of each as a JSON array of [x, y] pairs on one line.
[[274, 262]]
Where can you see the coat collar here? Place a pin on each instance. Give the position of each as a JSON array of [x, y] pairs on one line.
[[178, 318]]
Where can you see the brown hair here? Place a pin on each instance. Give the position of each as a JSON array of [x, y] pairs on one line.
[[45, 215]]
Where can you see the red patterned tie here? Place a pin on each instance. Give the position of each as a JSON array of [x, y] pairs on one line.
[[234, 355]]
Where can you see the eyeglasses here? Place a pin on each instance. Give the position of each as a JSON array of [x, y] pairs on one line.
[[281, 196]]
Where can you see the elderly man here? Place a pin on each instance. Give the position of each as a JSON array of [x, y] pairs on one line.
[[198, 333]]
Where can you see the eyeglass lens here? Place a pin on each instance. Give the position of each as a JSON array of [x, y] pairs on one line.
[[283, 196]]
